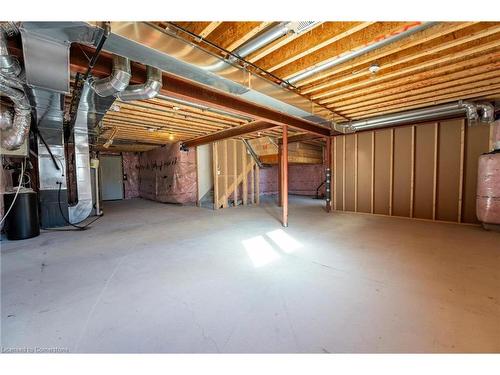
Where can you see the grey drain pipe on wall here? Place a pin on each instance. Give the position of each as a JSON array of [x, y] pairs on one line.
[[474, 112]]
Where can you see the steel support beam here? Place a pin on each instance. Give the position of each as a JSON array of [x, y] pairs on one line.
[[180, 88]]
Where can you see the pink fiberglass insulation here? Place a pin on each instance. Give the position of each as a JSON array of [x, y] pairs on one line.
[[303, 179], [131, 172], [488, 188], [168, 175]]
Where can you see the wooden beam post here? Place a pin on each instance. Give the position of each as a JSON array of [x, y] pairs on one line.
[[245, 174], [328, 174], [280, 168], [284, 175], [235, 170], [257, 184], [215, 166], [224, 172]]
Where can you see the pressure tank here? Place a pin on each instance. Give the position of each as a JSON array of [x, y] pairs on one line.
[[22, 221], [488, 188]]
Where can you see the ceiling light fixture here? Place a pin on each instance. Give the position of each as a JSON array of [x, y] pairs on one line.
[[374, 68]]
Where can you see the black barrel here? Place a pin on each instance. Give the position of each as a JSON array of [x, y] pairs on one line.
[[22, 221]]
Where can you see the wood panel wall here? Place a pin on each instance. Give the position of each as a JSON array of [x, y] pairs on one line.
[[424, 171]]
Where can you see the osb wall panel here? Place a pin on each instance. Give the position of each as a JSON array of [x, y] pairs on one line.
[[426, 171], [349, 173], [402, 170], [382, 171], [477, 142], [338, 172], [448, 170], [364, 172]]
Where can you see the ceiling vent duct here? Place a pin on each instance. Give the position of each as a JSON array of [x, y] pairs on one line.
[[302, 27], [358, 52]]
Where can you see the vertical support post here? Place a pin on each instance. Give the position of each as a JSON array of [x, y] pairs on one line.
[[284, 175], [334, 170], [252, 181], [215, 167], [412, 176], [257, 184], [435, 174], [280, 178], [328, 174], [224, 171], [461, 181], [245, 173], [235, 171], [372, 191], [391, 174], [356, 172]]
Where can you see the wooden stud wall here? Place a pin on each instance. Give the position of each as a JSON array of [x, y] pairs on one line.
[[236, 175], [425, 171]]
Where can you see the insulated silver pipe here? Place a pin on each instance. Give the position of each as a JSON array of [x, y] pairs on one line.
[[117, 81], [351, 55], [458, 108], [264, 39], [147, 90]]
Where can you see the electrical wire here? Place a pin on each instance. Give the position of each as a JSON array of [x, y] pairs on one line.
[[17, 192], [75, 225]]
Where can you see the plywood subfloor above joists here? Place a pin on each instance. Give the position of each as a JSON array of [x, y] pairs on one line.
[[451, 60]]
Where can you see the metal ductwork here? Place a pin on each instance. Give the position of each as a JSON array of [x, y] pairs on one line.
[[147, 90], [486, 112], [5, 118], [9, 65], [361, 51], [48, 89], [117, 81], [452, 109], [150, 45], [253, 45], [14, 129]]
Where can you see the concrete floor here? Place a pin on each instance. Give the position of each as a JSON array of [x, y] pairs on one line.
[[150, 277]]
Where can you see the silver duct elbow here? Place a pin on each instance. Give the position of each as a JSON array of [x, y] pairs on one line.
[[117, 81], [470, 111], [9, 65], [147, 90], [487, 112], [13, 137]]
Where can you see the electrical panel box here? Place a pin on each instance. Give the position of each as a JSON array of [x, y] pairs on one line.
[[20, 152]]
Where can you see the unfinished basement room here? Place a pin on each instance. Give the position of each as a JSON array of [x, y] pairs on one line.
[[250, 186]]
